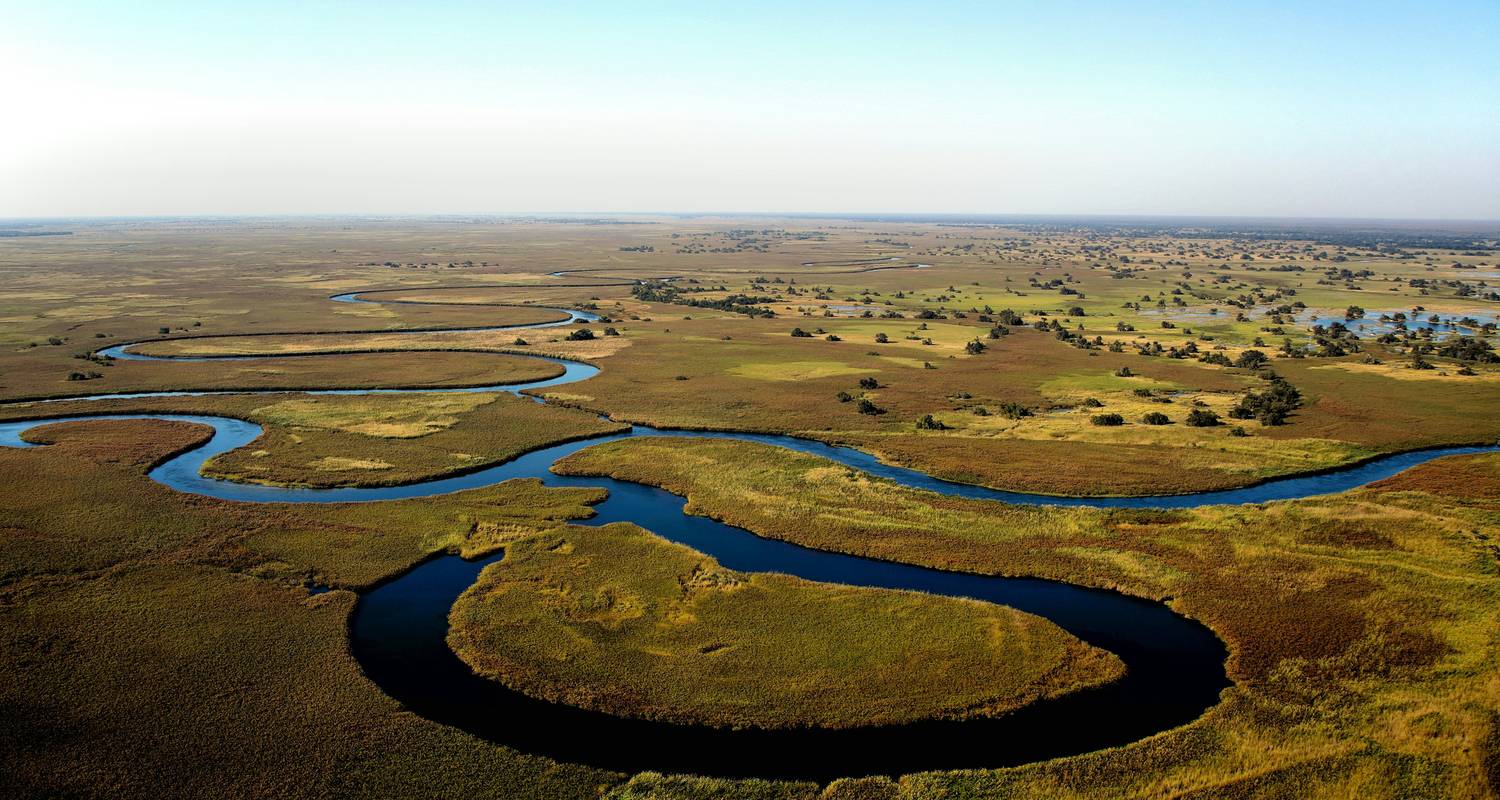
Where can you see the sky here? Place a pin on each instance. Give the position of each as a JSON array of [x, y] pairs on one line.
[[1325, 109]]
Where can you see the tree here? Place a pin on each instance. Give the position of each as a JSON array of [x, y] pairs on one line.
[[1202, 418], [1251, 359], [1270, 407], [867, 407]]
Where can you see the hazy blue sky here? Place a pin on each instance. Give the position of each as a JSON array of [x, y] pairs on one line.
[[1297, 108]]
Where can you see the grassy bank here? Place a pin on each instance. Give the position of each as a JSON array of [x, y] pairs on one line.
[[1361, 626]]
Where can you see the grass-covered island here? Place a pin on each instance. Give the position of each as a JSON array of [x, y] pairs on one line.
[[617, 619]]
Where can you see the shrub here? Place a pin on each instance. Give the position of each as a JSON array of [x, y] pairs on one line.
[[844, 397], [1156, 418], [798, 333], [833, 337], [611, 332], [519, 342], [881, 338], [1011, 410], [1107, 419], [927, 423], [1124, 372], [974, 347], [580, 335], [869, 383], [1092, 402], [867, 407]]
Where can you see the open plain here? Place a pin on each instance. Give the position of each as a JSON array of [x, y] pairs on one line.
[[1079, 411]]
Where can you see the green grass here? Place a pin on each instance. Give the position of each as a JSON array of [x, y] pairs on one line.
[[619, 620]]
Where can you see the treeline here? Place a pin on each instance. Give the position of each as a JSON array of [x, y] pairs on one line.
[[661, 292]]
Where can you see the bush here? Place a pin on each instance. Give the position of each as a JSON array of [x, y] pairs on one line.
[[1011, 410], [869, 383], [611, 332], [1202, 418], [881, 338], [519, 342], [1156, 418], [833, 337], [974, 347], [1092, 402], [798, 333], [844, 397], [580, 335], [867, 407], [1107, 419], [1124, 372], [927, 423]]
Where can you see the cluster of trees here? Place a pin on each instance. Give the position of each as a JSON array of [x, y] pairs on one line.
[[661, 292], [1271, 406]]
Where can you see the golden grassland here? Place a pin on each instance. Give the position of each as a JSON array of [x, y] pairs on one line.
[[355, 371], [619, 620], [222, 279], [1361, 627], [137, 624], [361, 440]]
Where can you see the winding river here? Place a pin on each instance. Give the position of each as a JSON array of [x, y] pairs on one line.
[[1175, 666]]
